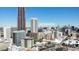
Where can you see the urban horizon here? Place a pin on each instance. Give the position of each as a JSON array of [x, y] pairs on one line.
[[47, 16], [49, 37]]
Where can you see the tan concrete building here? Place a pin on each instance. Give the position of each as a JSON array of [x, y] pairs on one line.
[[34, 25], [41, 35], [27, 42]]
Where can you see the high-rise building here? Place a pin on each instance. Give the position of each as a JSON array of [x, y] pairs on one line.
[[54, 35], [34, 25], [59, 34], [7, 33], [34, 36], [34, 29], [1, 32], [48, 35], [21, 18], [27, 42], [41, 35], [18, 36]]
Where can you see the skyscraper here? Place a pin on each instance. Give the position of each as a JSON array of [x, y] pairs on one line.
[[21, 18], [34, 29], [7, 33], [34, 25], [27, 42], [18, 36]]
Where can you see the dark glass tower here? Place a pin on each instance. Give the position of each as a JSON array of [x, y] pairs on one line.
[[21, 18]]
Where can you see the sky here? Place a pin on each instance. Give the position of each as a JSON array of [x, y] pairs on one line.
[[45, 15]]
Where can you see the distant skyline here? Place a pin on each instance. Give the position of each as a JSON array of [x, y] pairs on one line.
[[46, 16]]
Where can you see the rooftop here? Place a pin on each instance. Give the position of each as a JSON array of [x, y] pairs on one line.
[[19, 31]]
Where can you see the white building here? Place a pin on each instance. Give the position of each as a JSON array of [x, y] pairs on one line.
[[49, 35], [7, 33], [69, 31], [15, 48], [54, 34], [59, 34], [34, 25]]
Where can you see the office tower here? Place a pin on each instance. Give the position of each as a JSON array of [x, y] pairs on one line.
[[34, 36], [18, 36], [7, 33], [27, 42], [57, 34], [74, 35], [21, 18], [34, 29], [1, 32], [34, 25], [69, 31], [54, 35], [41, 35], [48, 35], [66, 32]]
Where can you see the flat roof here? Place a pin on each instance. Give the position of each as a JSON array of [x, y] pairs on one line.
[[28, 38], [18, 31]]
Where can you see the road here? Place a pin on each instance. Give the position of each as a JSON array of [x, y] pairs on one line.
[[3, 46]]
